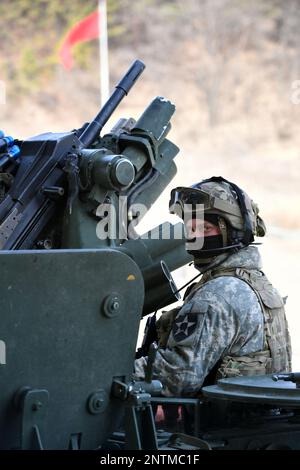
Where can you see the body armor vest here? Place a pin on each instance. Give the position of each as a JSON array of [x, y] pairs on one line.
[[276, 354]]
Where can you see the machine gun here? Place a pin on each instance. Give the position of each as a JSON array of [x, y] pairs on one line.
[[65, 183], [75, 282], [46, 160]]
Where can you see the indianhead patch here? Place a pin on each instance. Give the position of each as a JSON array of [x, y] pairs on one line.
[[184, 325]]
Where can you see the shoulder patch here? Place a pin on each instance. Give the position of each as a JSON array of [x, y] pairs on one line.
[[185, 323]]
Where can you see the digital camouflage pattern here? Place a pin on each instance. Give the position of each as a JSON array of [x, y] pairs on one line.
[[221, 322], [230, 209]]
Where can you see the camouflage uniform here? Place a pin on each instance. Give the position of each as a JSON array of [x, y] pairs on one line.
[[226, 321]]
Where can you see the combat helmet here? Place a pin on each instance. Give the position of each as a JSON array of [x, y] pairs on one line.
[[233, 211]]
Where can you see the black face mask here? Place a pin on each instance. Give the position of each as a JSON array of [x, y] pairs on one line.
[[212, 247]]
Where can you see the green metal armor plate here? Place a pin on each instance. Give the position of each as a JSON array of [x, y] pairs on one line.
[[69, 323]]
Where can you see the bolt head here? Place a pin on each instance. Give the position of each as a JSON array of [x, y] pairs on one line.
[[37, 406], [115, 305]]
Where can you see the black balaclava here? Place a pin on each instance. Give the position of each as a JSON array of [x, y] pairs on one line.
[[212, 245]]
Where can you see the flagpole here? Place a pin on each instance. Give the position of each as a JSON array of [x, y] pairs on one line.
[[103, 52]]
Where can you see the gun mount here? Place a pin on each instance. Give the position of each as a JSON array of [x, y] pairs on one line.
[[76, 279]]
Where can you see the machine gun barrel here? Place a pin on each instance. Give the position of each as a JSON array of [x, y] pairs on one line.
[[46, 159], [121, 89]]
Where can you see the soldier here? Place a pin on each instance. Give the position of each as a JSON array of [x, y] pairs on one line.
[[233, 321]]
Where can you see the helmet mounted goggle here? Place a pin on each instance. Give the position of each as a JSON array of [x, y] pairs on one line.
[[192, 200]]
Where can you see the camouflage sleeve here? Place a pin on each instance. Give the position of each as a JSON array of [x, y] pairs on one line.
[[163, 326], [139, 368], [202, 332]]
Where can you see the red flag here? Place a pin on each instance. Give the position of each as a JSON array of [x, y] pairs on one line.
[[84, 30]]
